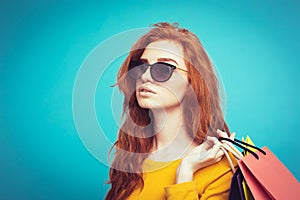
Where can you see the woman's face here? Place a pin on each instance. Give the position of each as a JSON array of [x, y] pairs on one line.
[[167, 95]]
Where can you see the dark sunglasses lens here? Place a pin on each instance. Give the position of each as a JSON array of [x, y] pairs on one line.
[[161, 72], [136, 69]]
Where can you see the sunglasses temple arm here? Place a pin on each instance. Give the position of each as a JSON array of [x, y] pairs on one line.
[[242, 147], [182, 69]]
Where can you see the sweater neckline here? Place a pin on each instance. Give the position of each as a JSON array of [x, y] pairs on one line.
[[152, 165]]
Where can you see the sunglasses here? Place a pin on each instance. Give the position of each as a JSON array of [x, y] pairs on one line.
[[160, 71]]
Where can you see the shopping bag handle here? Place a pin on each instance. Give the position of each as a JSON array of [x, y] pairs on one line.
[[236, 142]]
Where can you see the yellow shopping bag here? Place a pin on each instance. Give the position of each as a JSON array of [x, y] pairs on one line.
[[247, 192]]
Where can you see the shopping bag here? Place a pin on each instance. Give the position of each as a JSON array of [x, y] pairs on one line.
[[268, 178], [247, 192], [236, 187], [239, 189], [263, 172]]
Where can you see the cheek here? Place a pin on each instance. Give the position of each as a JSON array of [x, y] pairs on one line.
[[176, 91], [138, 83], [181, 92]]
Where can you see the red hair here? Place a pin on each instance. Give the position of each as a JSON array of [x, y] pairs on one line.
[[202, 110]]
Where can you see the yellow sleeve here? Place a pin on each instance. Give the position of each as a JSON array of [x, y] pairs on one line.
[[219, 188], [210, 183], [213, 182], [181, 191]]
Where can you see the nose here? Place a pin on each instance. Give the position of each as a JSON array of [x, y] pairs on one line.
[[146, 76]]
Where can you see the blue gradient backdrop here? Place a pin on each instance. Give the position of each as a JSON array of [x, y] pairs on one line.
[[254, 44]]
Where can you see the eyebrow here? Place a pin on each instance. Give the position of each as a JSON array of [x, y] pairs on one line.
[[161, 60]]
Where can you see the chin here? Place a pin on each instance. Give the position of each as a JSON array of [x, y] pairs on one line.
[[148, 105]]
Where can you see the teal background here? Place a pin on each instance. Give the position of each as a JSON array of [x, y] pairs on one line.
[[254, 45]]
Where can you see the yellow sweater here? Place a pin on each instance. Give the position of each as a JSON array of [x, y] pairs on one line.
[[212, 182]]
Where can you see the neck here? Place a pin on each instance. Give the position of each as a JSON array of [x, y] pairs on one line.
[[167, 123], [171, 134]]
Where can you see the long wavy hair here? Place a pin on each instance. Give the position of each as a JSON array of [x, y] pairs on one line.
[[135, 137]]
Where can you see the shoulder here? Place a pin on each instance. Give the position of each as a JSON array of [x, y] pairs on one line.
[[217, 169]]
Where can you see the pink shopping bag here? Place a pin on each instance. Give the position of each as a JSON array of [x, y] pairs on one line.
[[268, 178]]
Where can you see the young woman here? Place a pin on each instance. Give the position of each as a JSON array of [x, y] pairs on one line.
[[166, 147]]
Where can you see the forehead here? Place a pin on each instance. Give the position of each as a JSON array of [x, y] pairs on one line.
[[163, 48]]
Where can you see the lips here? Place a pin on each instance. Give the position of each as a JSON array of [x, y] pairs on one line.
[[144, 89]]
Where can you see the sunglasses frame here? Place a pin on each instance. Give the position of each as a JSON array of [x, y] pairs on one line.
[[138, 63]]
